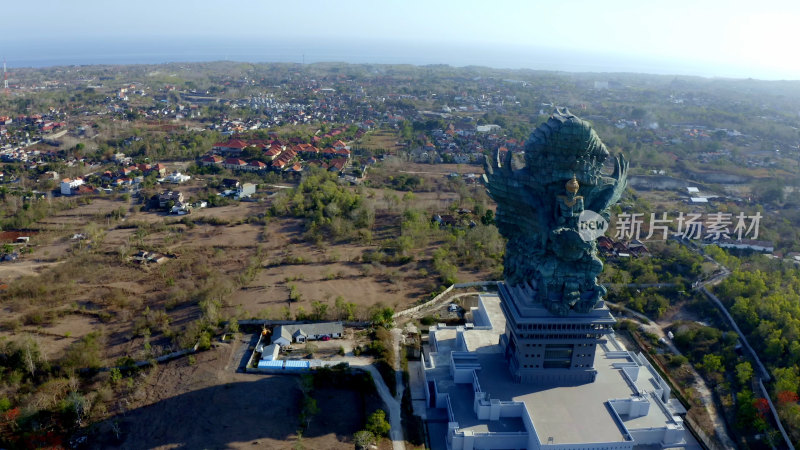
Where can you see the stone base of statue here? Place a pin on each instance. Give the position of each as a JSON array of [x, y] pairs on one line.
[[549, 349]]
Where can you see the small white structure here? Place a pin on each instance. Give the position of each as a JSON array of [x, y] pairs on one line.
[[487, 128], [245, 190], [270, 352], [177, 178], [67, 185], [121, 158], [747, 244], [693, 190]]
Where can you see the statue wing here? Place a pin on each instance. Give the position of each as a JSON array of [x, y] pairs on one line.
[[520, 211], [609, 192]]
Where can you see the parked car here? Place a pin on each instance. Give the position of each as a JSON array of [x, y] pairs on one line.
[[326, 338]]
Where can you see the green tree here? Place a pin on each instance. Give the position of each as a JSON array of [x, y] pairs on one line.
[[712, 363], [319, 310], [377, 424], [383, 317], [344, 310], [309, 410], [787, 379], [746, 412], [744, 372]]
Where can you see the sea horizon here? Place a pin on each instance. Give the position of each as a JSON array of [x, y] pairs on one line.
[[124, 51]]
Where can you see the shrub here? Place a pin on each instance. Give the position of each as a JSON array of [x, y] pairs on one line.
[[377, 424], [363, 439], [204, 342], [428, 320], [5, 404], [84, 353]]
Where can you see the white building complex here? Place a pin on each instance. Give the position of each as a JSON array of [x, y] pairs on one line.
[[473, 385]]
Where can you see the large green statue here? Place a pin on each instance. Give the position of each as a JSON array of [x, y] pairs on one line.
[[539, 204]]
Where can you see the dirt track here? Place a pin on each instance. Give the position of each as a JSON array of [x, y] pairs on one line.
[[13, 270]]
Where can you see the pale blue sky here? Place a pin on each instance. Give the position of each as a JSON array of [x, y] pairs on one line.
[[728, 38]]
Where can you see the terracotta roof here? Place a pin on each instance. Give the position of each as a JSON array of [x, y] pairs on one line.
[[233, 143]]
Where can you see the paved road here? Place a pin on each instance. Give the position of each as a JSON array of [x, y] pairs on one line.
[[398, 443]]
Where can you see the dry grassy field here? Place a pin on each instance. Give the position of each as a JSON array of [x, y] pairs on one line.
[[85, 302], [379, 140]]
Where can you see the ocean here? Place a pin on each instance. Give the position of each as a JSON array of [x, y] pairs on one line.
[[152, 50]]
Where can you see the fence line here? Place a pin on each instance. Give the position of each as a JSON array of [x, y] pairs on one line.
[[765, 375], [701, 435], [267, 322], [442, 294], [742, 337], [775, 414]]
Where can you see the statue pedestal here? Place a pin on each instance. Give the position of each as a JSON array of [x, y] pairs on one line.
[[544, 348]]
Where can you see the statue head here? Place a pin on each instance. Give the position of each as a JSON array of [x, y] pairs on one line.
[[572, 185], [563, 147]]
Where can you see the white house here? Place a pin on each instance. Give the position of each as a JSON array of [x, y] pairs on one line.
[[245, 190], [176, 178], [67, 185], [487, 128], [286, 334]]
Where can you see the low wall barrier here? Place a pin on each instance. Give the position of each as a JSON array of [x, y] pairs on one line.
[[441, 296]]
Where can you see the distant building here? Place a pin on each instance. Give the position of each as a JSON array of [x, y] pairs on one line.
[[67, 185], [747, 244], [487, 128], [230, 183], [177, 178], [169, 196], [232, 147], [245, 190], [211, 160]]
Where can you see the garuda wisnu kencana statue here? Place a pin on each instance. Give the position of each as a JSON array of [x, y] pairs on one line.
[[540, 200]]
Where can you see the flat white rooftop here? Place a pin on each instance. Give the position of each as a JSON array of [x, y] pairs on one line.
[[575, 414]]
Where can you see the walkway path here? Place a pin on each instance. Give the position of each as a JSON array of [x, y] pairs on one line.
[[396, 433]]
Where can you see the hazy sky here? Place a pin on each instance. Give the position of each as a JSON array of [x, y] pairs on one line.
[[726, 37]]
